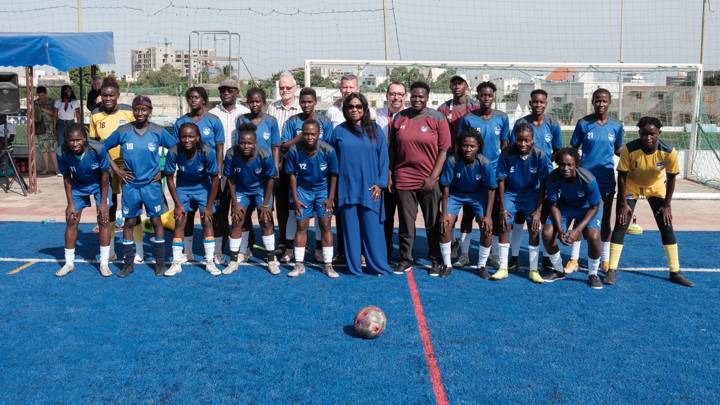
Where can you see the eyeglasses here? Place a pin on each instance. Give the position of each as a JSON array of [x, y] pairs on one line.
[[287, 88], [396, 94], [226, 90], [355, 107]]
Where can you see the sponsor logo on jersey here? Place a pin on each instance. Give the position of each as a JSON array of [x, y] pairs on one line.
[[94, 166]]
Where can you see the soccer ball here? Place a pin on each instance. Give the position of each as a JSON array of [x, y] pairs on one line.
[[370, 322]]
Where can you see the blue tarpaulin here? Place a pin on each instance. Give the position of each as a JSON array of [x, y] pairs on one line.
[[62, 50]]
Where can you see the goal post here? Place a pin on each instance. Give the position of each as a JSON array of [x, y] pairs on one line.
[[670, 91]]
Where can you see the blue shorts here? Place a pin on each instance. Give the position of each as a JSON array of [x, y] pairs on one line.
[[524, 203], [135, 197], [251, 200], [314, 204], [567, 215], [82, 199], [478, 202], [605, 178], [195, 197]]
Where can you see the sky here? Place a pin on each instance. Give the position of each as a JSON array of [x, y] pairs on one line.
[[279, 34]]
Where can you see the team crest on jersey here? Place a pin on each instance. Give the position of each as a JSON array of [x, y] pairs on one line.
[[478, 177], [611, 137], [580, 194], [200, 167], [402, 126], [298, 131], [548, 137], [258, 170], [129, 146], [424, 128], [206, 131], [266, 135], [152, 147], [458, 175], [497, 131], [533, 170], [660, 165], [323, 167]]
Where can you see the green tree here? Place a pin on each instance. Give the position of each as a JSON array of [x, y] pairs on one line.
[[167, 76], [404, 75], [512, 96], [75, 78], [442, 84]]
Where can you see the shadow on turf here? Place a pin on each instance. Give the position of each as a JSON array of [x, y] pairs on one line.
[[350, 331], [87, 245]]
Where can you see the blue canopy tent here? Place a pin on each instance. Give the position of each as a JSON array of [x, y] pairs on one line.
[[61, 50]]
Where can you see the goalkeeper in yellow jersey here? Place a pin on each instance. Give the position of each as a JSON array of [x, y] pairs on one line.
[[648, 167]]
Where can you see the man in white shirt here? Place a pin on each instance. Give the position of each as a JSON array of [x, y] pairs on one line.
[[228, 112], [348, 84], [288, 104], [395, 96]]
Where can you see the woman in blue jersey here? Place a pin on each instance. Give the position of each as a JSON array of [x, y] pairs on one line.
[[313, 168], [212, 135], [468, 179], [574, 195], [86, 172], [362, 151], [250, 172], [600, 139], [521, 173], [268, 132], [195, 189], [140, 142]]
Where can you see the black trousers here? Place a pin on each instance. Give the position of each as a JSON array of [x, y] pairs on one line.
[[390, 206], [407, 205]]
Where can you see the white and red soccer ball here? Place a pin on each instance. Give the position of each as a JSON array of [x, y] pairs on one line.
[[370, 322]]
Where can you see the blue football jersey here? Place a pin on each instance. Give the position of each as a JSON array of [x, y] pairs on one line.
[[293, 127], [582, 193], [523, 174], [493, 131], [191, 171], [468, 179], [312, 172], [84, 171], [141, 151], [211, 128], [249, 176], [267, 134], [547, 136], [598, 144]]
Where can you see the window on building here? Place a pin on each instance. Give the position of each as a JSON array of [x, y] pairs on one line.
[[636, 95], [685, 118], [661, 96]]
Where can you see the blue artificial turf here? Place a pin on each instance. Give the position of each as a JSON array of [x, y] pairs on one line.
[[251, 337]]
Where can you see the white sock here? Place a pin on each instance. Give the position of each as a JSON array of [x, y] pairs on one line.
[[299, 254], [177, 251], [494, 247], [593, 265], [515, 239], [291, 227], [244, 240], [503, 249], [575, 253], [556, 261], [533, 250], [483, 254], [70, 256], [104, 254], [234, 244], [445, 250], [605, 252], [209, 245], [187, 242], [464, 244], [218, 246], [269, 242], [327, 254]]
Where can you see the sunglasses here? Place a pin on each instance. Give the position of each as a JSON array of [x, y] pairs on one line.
[[354, 107], [287, 88]]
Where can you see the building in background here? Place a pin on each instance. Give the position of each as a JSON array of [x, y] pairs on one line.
[[153, 58]]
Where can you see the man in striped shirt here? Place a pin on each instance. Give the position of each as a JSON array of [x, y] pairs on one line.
[[288, 104]]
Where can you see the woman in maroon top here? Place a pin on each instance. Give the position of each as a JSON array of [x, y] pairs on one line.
[[419, 140]]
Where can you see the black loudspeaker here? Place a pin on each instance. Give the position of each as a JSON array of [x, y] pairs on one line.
[[9, 93]]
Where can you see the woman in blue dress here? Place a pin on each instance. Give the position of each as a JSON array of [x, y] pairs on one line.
[[362, 151]]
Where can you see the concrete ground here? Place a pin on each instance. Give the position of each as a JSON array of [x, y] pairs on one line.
[[695, 214]]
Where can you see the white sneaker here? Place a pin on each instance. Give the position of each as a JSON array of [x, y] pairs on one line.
[[210, 268], [231, 268], [219, 259], [105, 270], [330, 271], [274, 267], [138, 259], [175, 268], [462, 261], [298, 270], [65, 270]]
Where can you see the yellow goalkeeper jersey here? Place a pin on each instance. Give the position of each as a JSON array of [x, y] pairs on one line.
[[102, 124], [646, 172]]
